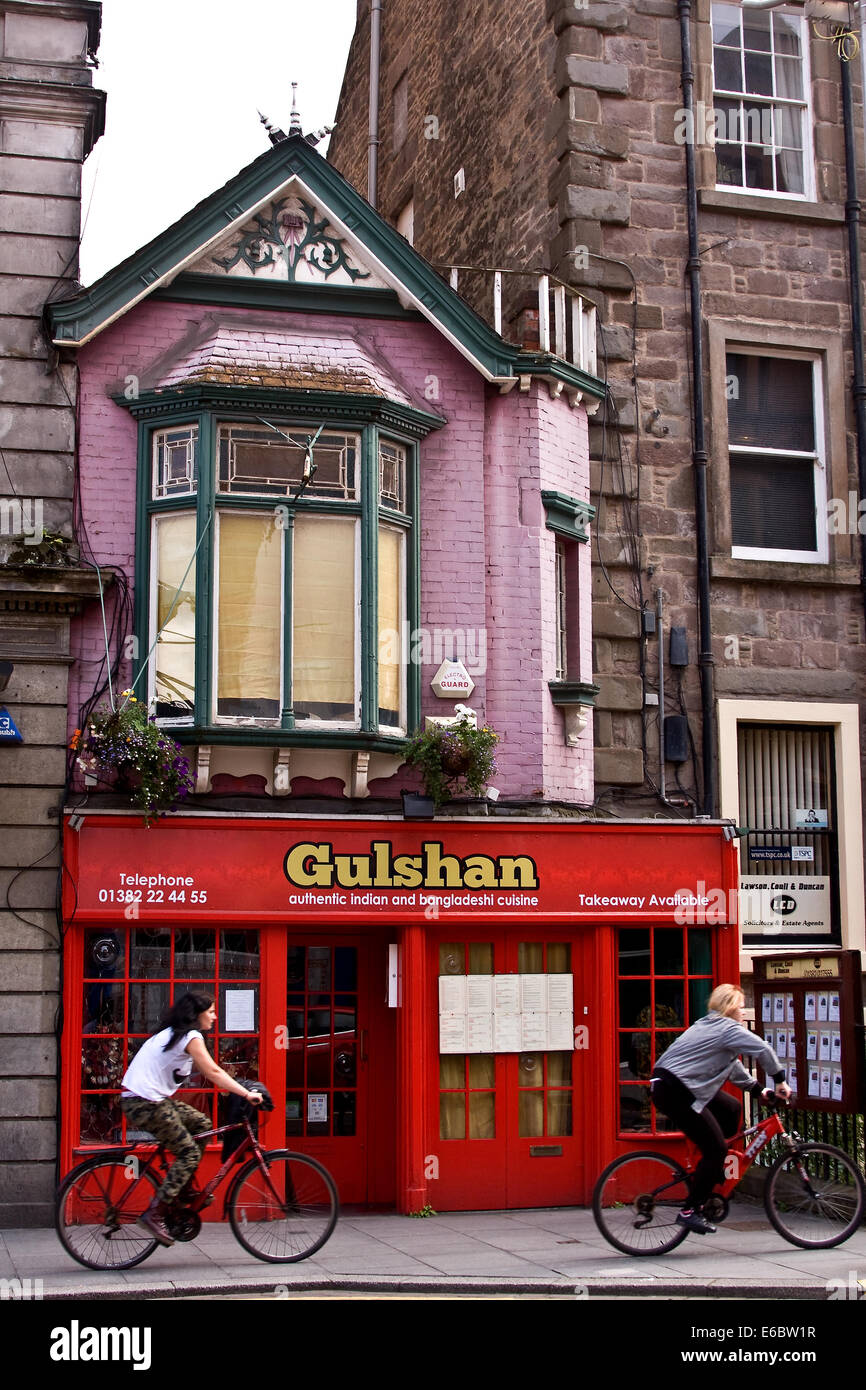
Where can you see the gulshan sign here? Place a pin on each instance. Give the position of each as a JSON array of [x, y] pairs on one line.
[[279, 869], [320, 866]]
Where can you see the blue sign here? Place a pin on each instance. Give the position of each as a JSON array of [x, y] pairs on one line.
[[9, 731], [770, 852]]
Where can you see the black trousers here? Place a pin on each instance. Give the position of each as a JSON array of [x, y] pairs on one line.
[[709, 1129]]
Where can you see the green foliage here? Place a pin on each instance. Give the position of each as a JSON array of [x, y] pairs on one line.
[[426, 1210], [52, 550], [458, 758], [128, 742]]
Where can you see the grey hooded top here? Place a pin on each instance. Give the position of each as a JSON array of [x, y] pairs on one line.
[[706, 1055]]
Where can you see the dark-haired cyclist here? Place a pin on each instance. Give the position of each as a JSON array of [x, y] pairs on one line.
[[157, 1070]]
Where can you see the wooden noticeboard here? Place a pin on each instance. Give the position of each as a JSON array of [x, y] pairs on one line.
[[809, 1007]]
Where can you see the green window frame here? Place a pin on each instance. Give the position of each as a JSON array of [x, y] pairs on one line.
[[186, 507]]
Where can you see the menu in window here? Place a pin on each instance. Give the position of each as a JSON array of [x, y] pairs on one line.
[[506, 1032], [560, 1030], [533, 992], [506, 1013], [452, 1032], [240, 1011], [506, 994], [452, 994]]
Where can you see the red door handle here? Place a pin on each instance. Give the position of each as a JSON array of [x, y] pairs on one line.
[[364, 1032]]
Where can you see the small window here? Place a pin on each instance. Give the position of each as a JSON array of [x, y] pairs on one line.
[[561, 620], [777, 481], [175, 461], [761, 101], [276, 462], [392, 475]]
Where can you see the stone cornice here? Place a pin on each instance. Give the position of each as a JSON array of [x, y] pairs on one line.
[[55, 103], [48, 589]]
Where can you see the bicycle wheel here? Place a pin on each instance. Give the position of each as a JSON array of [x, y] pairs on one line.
[[286, 1213], [96, 1210], [636, 1201], [814, 1196]]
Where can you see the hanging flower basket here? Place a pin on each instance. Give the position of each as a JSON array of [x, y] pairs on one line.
[[455, 758], [125, 746]]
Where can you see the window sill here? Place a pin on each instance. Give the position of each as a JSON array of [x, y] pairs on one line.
[[831, 576], [722, 201], [353, 740]]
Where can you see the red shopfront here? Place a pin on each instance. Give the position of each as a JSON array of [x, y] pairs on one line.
[[462, 1013]]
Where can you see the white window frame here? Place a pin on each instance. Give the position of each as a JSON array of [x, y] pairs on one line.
[[844, 719], [805, 106], [821, 555]]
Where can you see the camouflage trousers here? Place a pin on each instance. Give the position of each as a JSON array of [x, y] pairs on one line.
[[173, 1124]]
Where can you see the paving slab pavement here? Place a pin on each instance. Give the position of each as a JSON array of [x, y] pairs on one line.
[[557, 1251]]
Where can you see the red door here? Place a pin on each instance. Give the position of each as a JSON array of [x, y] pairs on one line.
[[545, 1087], [330, 1036], [507, 1128]]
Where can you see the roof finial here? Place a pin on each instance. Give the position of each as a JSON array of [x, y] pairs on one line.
[[295, 127], [275, 135]]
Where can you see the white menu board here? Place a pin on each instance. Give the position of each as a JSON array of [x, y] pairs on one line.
[[506, 1013]]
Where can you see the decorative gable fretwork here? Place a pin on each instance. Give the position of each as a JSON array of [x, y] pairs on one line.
[[289, 240]]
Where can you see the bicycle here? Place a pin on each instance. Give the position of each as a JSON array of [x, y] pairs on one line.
[[814, 1193], [282, 1206]]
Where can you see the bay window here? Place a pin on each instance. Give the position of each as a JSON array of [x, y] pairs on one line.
[[282, 569]]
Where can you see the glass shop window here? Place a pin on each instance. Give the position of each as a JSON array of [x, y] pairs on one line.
[[131, 976], [665, 981]]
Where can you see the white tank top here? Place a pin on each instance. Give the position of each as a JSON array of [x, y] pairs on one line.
[[154, 1074]]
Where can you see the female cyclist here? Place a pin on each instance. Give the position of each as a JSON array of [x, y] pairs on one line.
[[687, 1087], [160, 1066]]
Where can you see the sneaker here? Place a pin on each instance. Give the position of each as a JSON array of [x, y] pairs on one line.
[[153, 1221], [695, 1221]]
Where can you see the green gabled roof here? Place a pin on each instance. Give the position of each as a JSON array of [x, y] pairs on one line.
[[76, 320]]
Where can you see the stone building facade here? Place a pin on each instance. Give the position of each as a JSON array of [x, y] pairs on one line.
[[50, 118], [569, 126]]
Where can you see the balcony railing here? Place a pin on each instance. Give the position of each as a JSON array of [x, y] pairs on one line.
[[567, 322]]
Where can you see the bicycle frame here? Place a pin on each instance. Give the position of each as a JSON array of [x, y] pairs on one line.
[[203, 1197], [763, 1132]]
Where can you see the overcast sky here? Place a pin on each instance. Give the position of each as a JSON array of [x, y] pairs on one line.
[[185, 79]]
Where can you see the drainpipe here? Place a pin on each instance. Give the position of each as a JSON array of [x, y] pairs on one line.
[[699, 449], [852, 219], [373, 139]]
